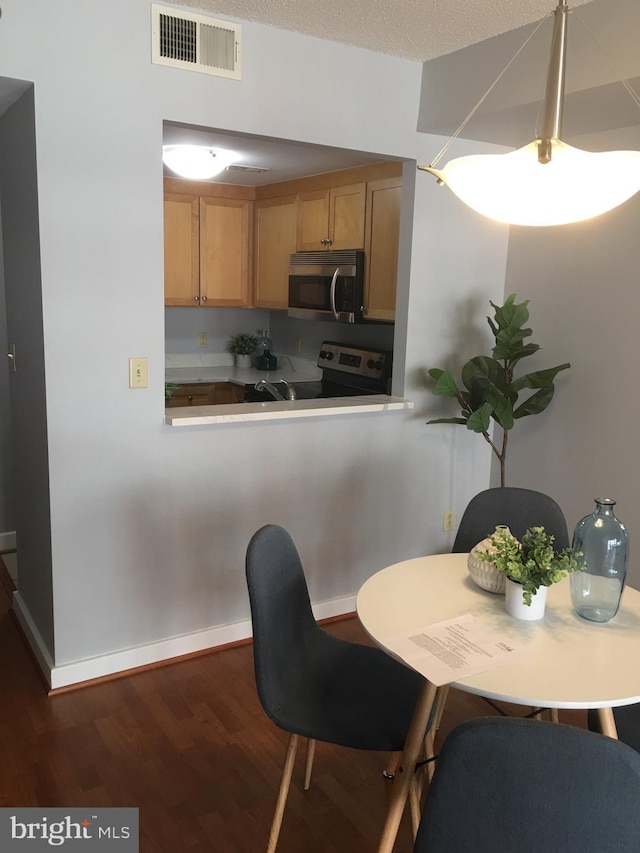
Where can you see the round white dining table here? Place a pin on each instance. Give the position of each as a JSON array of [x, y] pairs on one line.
[[567, 661]]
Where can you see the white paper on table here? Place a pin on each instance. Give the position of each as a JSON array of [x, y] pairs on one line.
[[450, 650]]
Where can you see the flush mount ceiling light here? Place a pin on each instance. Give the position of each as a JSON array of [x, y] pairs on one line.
[[197, 162], [547, 182]]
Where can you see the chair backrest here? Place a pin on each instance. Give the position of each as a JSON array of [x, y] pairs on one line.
[[517, 508], [506, 785], [284, 628], [627, 719]]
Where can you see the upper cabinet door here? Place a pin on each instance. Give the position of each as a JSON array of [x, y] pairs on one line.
[[313, 221], [181, 249], [382, 238], [346, 216], [331, 218], [226, 256], [275, 241]]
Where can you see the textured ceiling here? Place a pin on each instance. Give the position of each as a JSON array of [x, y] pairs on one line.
[[412, 29]]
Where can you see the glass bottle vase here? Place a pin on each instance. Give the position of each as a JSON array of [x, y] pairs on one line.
[[604, 542]]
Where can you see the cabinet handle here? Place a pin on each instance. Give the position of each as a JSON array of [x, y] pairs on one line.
[[196, 299], [204, 299]]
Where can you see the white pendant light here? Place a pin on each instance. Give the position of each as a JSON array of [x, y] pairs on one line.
[[197, 162], [547, 182]]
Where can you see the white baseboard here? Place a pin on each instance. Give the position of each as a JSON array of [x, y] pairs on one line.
[[164, 650], [8, 541]]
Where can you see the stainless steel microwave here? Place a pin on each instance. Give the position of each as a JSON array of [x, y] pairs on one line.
[[327, 285]]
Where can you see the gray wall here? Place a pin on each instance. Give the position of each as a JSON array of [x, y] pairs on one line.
[[28, 451], [582, 280], [149, 524], [6, 513]]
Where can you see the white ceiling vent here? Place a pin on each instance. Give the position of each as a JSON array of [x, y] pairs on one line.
[[195, 42]]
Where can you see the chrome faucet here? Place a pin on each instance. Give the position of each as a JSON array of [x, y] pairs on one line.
[[291, 391]]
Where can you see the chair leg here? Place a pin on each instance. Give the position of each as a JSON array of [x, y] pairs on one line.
[[311, 751], [429, 750], [285, 781], [441, 701], [553, 713], [414, 805]]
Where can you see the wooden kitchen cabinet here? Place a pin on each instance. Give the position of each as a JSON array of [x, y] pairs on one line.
[[205, 394], [381, 248], [208, 246], [181, 249], [226, 232], [191, 394], [331, 218], [275, 241]]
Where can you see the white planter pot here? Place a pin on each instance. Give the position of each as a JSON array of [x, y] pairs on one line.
[[243, 360], [515, 606]]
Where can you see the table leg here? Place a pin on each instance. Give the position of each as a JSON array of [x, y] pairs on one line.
[[404, 774], [607, 722]]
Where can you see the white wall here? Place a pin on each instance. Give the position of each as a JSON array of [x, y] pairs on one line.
[[582, 280], [150, 524]]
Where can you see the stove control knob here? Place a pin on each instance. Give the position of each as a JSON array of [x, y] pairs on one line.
[[374, 365], [326, 354]]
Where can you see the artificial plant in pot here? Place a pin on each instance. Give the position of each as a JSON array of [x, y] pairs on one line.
[[532, 563], [242, 345], [489, 391]]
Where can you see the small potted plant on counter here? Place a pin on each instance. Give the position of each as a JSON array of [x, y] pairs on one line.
[[242, 347], [530, 567]]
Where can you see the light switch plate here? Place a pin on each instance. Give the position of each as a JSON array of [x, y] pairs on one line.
[[138, 373]]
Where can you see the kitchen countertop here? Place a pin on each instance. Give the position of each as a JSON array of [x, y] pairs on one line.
[[216, 368], [237, 375], [283, 410]]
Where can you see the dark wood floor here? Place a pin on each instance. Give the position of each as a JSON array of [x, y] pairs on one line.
[[190, 746]]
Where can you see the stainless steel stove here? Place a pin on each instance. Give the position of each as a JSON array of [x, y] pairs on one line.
[[347, 371]]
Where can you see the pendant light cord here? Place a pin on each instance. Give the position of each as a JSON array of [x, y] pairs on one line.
[[475, 109]]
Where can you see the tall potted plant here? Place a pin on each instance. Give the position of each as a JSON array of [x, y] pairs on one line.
[[488, 389]]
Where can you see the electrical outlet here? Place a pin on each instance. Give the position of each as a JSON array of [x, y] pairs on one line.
[[202, 339], [447, 520], [138, 373]]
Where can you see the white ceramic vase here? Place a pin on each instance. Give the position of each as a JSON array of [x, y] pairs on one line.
[[483, 573], [243, 361], [515, 606]]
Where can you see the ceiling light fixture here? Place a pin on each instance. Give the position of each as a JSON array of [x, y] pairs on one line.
[[547, 182], [197, 162]]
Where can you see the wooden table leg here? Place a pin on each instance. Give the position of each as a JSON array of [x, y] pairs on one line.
[[607, 722], [404, 774]]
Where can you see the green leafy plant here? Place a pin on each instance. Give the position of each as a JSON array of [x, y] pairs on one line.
[[242, 344], [533, 562], [488, 389], [169, 388]]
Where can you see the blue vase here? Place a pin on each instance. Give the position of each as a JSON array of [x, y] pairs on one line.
[[604, 542]]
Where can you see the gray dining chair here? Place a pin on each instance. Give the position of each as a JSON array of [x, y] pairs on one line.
[[505, 785], [515, 507], [519, 509], [313, 684], [627, 719]]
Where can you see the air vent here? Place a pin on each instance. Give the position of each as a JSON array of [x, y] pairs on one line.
[[195, 42], [238, 167]]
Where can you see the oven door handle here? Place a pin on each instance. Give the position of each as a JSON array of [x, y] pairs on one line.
[[332, 293]]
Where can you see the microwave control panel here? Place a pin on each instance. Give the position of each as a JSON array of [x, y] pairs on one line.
[[371, 364]]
